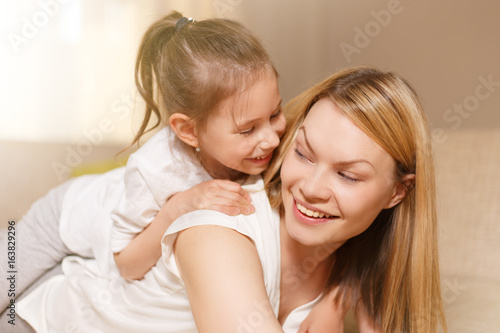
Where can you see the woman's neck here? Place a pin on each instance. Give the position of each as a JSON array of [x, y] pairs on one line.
[[304, 272]]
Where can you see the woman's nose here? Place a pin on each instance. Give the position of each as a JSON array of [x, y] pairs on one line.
[[315, 186]]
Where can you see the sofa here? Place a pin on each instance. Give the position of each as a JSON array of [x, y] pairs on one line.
[[468, 192]]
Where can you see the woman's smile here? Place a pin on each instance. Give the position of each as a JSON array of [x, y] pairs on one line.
[[311, 216]]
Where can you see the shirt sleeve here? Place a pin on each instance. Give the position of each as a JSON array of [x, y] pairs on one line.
[[138, 208], [203, 218], [153, 173]]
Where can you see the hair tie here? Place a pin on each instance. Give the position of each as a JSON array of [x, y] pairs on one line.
[[182, 22]]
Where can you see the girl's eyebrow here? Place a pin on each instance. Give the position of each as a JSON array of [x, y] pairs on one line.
[[248, 122], [338, 163], [278, 105]]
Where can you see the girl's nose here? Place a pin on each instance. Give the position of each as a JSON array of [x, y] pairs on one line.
[[269, 139]]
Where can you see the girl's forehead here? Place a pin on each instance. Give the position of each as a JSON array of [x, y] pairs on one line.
[[261, 96]]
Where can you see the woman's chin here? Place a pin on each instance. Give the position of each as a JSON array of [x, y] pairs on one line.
[[303, 235]]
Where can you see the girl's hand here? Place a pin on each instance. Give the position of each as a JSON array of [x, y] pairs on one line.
[[223, 196]]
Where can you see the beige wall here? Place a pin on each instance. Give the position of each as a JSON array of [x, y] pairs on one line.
[[77, 68], [64, 87], [447, 48]]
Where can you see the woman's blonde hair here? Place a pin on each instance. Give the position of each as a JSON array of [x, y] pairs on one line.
[[392, 267], [189, 67]]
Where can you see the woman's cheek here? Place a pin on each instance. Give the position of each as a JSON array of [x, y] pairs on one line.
[[291, 170]]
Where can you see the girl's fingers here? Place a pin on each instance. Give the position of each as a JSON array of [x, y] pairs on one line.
[[234, 187], [242, 207], [228, 210], [224, 196]]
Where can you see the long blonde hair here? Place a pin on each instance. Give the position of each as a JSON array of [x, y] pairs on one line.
[[190, 66], [392, 267]]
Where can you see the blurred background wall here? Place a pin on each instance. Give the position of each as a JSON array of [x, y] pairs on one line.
[[66, 66], [67, 96]]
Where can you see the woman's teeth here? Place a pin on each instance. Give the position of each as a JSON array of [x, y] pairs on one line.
[[312, 213]]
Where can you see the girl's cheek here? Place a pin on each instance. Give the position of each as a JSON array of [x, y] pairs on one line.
[[281, 130]]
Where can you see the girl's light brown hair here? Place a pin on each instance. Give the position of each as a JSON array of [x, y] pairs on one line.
[[190, 68], [392, 267]]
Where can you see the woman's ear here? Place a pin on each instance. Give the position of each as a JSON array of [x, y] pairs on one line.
[[401, 189], [185, 128]]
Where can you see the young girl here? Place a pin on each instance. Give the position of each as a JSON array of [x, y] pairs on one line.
[[214, 83], [214, 86]]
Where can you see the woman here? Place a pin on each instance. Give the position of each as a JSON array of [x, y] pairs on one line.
[[392, 267], [353, 226], [356, 181]]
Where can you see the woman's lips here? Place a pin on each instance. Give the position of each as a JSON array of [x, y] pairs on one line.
[[310, 217]]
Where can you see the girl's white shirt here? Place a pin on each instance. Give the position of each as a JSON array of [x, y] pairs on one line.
[[91, 296], [156, 171]]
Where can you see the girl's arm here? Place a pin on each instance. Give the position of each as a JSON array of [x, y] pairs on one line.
[[224, 281], [142, 253]]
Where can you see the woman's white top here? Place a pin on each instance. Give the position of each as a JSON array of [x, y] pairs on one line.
[[91, 296]]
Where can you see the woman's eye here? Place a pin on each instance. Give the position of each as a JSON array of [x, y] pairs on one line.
[[300, 155], [247, 132], [348, 178]]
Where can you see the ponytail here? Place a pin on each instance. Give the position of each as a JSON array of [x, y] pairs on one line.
[[147, 71]]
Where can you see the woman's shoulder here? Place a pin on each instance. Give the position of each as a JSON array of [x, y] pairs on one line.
[[262, 227], [254, 225]]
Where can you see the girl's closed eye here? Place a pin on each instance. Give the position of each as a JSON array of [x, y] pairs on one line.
[[276, 114], [248, 131]]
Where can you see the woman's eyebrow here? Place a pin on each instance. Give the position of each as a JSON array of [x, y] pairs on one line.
[[303, 129], [338, 163], [352, 162]]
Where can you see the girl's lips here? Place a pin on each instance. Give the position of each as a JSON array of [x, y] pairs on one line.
[[309, 220], [260, 161]]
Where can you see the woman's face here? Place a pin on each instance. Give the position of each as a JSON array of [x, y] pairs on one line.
[[335, 179]]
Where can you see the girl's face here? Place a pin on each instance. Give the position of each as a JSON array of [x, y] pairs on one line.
[[244, 132], [335, 179]]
